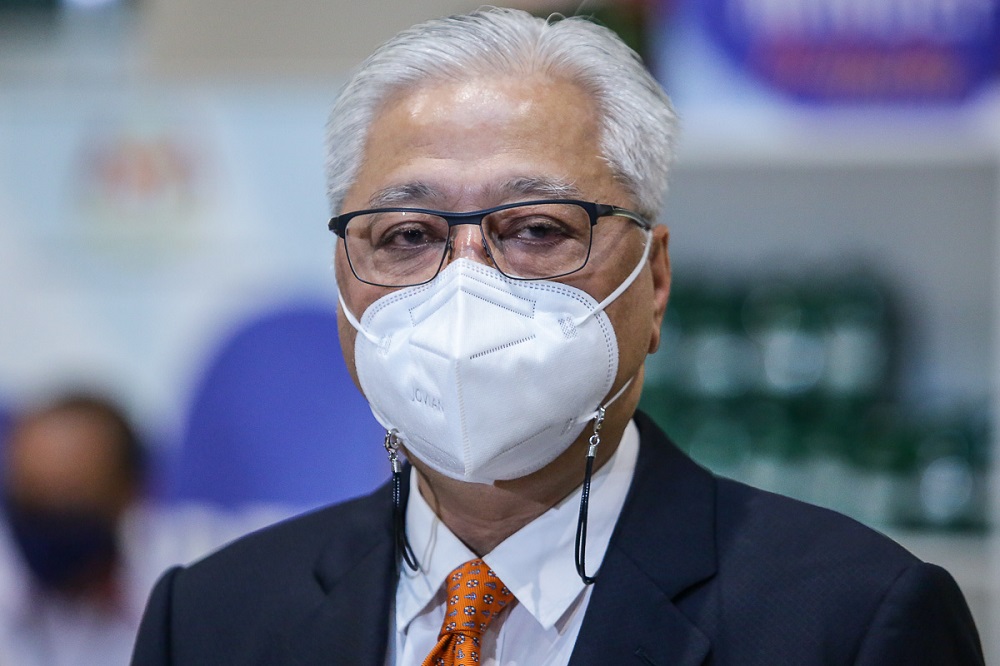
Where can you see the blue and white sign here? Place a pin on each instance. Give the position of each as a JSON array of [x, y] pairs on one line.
[[860, 50]]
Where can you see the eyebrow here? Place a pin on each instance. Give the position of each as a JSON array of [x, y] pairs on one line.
[[528, 186], [407, 193], [515, 188]]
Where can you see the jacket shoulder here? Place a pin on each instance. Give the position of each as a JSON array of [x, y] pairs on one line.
[[309, 532], [811, 579], [779, 528], [243, 600], [783, 581]]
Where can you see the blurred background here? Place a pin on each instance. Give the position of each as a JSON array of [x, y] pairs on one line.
[[834, 210]]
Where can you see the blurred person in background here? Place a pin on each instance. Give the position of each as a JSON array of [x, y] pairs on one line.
[[80, 545], [72, 470]]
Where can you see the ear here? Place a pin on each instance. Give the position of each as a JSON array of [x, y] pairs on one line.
[[659, 264]]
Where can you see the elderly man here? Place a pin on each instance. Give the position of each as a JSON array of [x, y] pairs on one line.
[[495, 178]]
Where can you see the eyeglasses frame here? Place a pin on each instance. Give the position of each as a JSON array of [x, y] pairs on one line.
[[596, 211]]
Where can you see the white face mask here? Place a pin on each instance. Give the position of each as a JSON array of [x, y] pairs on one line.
[[487, 378]]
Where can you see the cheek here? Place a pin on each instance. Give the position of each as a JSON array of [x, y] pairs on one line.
[[356, 294], [341, 268], [347, 336]]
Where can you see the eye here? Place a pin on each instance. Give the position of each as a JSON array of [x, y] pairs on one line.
[[536, 228], [405, 235], [540, 226], [406, 230]]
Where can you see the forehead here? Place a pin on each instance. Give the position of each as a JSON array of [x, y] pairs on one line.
[[480, 142]]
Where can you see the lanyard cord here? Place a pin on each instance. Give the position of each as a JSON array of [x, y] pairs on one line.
[[398, 515], [580, 550], [580, 546]]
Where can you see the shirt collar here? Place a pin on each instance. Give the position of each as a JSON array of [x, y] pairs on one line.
[[536, 562]]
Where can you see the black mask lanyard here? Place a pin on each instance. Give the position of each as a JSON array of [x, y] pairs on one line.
[[580, 554], [399, 516]]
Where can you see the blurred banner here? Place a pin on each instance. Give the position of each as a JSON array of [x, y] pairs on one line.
[[858, 50]]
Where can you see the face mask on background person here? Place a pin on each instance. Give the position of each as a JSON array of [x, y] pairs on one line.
[[65, 550], [485, 377]]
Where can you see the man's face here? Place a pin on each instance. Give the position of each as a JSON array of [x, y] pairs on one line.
[[474, 144], [67, 460]]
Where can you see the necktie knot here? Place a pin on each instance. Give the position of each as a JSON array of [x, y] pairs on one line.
[[475, 595]]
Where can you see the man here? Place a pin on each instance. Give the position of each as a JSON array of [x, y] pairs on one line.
[[80, 544], [71, 472], [493, 177]]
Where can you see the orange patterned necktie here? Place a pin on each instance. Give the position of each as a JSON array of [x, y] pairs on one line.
[[475, 597]]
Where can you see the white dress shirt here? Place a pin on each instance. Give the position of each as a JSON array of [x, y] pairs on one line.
[[536, 563]]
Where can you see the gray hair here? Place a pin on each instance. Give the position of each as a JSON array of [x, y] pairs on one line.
[[637, 122]]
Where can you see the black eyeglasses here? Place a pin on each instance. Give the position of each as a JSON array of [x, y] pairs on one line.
[[530, 240]]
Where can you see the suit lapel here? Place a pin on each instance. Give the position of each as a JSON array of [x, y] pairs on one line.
[[629, 620], [662, 546], [356, 573]]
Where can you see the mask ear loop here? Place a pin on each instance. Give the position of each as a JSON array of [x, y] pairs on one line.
[[626, 283], [580, 554], [353, 321], [398, 515]]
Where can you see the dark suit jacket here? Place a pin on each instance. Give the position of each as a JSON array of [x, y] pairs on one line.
[[700, 570]]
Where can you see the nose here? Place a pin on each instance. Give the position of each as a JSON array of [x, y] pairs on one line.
[[467, 242]]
